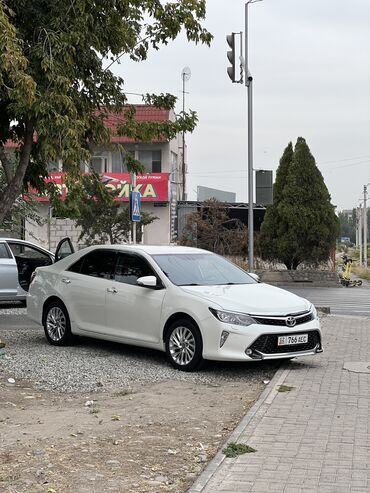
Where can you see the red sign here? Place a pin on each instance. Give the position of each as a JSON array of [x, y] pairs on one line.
[[152, 187]]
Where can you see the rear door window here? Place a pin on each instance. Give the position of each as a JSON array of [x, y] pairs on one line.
[[99, 263], [4, 252]]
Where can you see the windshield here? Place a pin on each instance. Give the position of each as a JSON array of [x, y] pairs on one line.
[[201, 269]]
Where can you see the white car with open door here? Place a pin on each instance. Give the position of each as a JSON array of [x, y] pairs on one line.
[[18, 261], [188, 302]]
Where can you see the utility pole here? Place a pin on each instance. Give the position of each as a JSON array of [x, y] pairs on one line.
[[185, 76], [360, 231], [365, 227]]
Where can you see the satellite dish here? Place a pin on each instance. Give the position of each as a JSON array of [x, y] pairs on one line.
[[186, 73]]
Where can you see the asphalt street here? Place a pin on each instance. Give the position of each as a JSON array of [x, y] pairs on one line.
[[342, 301]]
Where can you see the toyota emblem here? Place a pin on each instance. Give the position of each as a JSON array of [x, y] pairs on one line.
[[290, 321]]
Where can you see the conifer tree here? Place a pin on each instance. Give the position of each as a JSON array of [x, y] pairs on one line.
[[301, 225]]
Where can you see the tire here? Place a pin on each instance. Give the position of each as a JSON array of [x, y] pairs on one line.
[[359, 282], [57, 325], [184, 345]]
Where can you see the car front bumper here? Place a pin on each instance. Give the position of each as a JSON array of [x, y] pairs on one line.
[[257, 341]]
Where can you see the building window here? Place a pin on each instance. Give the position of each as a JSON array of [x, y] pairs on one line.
[[99, 162], [55, 166], [151, 160], [118, 162]]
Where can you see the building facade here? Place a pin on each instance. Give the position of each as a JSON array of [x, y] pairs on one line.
[[161, 185]]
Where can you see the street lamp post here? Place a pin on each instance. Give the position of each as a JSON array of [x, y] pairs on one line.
[[360, 230], [249, 85], [365, 225]]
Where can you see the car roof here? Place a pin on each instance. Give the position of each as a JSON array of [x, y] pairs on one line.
[[153, 249], [24, 242]]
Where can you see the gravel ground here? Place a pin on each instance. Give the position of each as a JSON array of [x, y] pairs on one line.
[[93, 365], [146, 428], [10, 310]]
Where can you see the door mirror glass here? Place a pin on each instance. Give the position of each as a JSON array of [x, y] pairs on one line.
[[64, 249], [147, 281]]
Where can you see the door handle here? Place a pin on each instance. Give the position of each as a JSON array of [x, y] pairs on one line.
[[112, 290], [66, 280]]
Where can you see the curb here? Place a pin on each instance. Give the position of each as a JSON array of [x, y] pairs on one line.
[[264, 400]]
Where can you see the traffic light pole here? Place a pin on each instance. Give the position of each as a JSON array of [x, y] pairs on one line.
[[249, 85]]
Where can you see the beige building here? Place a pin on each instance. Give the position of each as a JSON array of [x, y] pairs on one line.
[[160, 187]]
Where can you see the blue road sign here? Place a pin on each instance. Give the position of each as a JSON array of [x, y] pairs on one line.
[[135, 206]]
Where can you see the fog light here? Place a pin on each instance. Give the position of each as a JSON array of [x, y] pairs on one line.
[[224, 336], [248, 352]]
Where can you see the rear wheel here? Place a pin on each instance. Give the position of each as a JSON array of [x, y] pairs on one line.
[[184, 345], [57, 325]]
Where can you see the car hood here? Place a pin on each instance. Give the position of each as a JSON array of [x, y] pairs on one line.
[[255, 299]]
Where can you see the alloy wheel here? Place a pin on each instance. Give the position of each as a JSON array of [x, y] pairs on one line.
[[56, 323], [182, 345]]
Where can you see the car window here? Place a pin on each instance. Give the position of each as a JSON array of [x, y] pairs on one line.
[[201, 269], [76, 267], [130, 267], [99, 263], [26, 251], [64, 249], [4, 252]]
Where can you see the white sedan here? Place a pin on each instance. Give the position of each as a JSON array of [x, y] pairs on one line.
[[188, 302]]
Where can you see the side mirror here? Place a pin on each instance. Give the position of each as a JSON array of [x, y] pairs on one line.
[[256, 277], [147, 281]]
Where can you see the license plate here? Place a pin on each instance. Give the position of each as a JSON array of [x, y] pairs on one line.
[[292, 339]]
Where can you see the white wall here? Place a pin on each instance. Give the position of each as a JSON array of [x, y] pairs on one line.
[[54, 229]]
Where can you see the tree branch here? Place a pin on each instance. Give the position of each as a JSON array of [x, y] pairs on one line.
[[14, 188], [6, 165]]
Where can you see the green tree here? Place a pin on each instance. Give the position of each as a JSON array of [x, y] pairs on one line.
[[271, 246], [212, 229], [102, 218], [300, 225], [56, 85]]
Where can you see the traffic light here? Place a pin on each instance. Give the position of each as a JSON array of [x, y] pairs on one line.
[[230, 38]]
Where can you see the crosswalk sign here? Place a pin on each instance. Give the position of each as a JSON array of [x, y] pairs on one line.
[[135, 206]]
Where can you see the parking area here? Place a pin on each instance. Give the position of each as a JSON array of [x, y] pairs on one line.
[[100, 416]]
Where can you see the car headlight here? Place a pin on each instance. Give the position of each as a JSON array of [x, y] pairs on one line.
[[313, 311], [233, 318]]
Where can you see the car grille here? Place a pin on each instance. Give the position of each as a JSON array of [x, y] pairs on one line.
[[267, 343], [281, 321]]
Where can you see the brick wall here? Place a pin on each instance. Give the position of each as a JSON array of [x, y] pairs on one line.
[[60, 228]]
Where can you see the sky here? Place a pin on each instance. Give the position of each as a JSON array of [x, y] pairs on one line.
[[311, 69]]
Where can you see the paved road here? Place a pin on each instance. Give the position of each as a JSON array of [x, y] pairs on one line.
[[342, 301]]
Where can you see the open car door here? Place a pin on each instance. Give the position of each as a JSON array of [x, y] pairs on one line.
[[64, 249]]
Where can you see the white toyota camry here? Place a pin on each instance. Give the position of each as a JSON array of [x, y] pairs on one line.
[[188, 302]]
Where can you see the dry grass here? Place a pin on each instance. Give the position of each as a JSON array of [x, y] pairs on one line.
[[361, 272]]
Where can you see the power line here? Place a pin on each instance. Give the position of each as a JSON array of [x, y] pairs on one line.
[[347, 159]]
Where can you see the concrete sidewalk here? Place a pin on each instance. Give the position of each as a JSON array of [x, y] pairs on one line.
[[313, 438]]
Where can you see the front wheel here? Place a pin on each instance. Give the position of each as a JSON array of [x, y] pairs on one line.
[[184, 345], [57, 325]]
